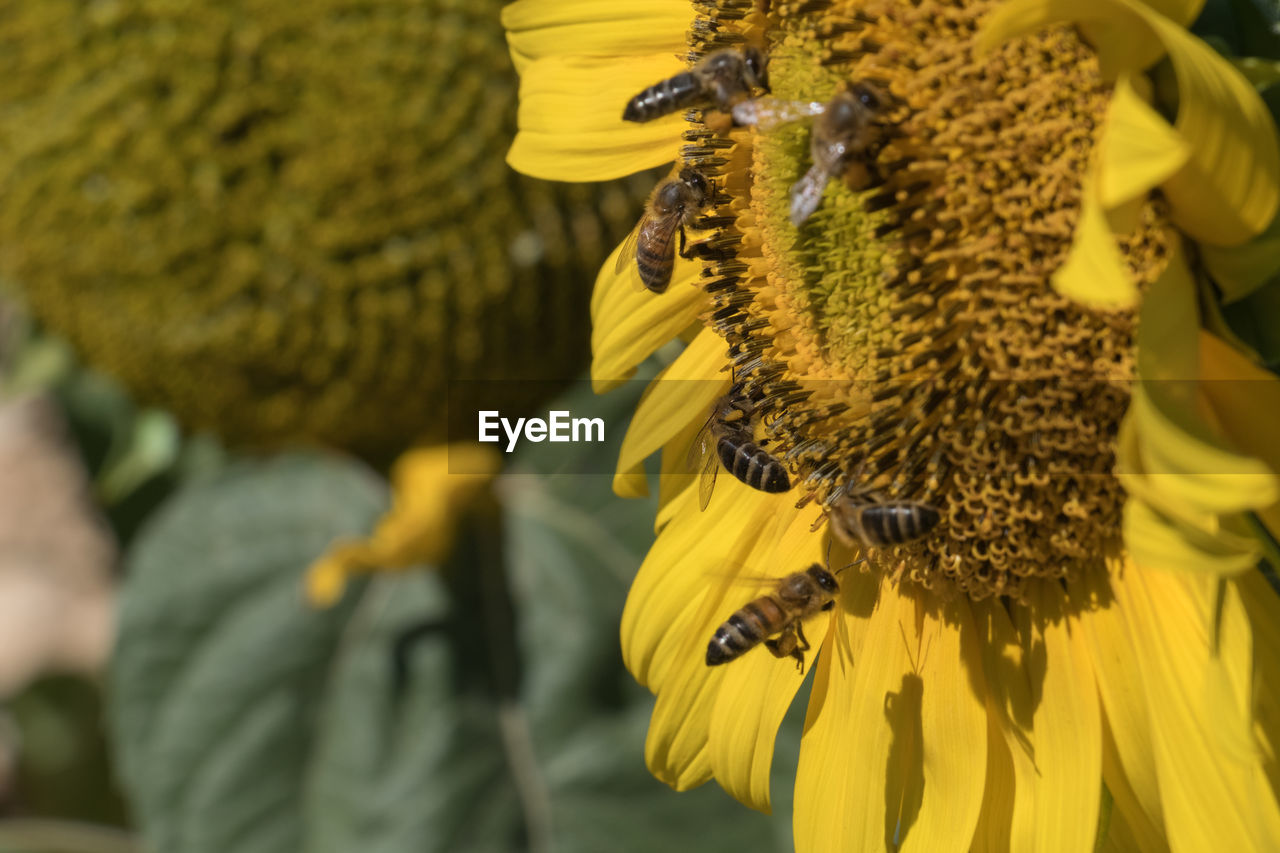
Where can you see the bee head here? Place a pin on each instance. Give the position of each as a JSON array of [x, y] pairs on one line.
[[699, 184], [868, 96], [824, 579], [757, 67], [844, 111]]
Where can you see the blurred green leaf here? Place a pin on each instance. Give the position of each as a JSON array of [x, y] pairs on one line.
[[1245, 27], [475, 709], [147, 449], [136, 456], [220, 665]]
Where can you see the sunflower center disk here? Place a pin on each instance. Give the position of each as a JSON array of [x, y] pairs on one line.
[[906, 339]]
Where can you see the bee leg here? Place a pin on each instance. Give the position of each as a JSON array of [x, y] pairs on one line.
[[804, 644], [784, 645], [798, 644], [685, 251], [828, 605]]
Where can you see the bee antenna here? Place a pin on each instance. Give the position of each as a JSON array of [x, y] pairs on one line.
[[850, 565]]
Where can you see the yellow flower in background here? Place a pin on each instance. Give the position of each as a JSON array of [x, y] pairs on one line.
[[433, 488], [1001, 315]]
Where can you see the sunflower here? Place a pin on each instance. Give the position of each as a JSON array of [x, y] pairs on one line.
[[1006, 311]]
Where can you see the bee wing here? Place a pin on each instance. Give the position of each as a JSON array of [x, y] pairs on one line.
[[627, 254], [806, 194], [702, 458], [660, 234], [767, 113], [707, 480]]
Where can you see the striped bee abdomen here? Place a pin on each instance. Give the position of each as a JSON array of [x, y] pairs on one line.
[[654, 266], [663, 98], [895, 523], [753, 465], [745, 629]]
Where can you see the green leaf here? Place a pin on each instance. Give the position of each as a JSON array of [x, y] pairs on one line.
[[220, 665], [479, 708]]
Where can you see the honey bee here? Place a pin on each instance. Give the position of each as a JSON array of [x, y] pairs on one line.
[[725, 439], [672, 207], [881, 523], [797, 596], [843, 132], [716, 80]]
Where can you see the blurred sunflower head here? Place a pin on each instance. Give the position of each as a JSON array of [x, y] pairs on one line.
[[290, 222], [957, 276]]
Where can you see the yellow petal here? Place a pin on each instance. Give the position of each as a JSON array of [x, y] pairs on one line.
[[758, 688], [1127, 740], [431, 487], [1233, 679], [999, 796], [1043, 686], [1200, 471], [1122, 838], [1122, 43], [1138, 149], [542, 28], [697, 554], [1244, 402], [1183, 12], [672, 574], [1094, 272], [1263, 607], [1127, 826], [844, 753], [1212, 799], [1162, 529], [953, 729], [1008, 823], [1177, 448], [1243, 398], [673, 475], [1067, 726], [1156, 540], [893, 749], [570, 118], [681, 394], [677, 749], [1240, 270], [754, 696], [1229, 191], [629, 324]]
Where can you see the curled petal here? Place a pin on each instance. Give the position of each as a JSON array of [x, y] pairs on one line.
[[1228, 190], [431, 487]]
